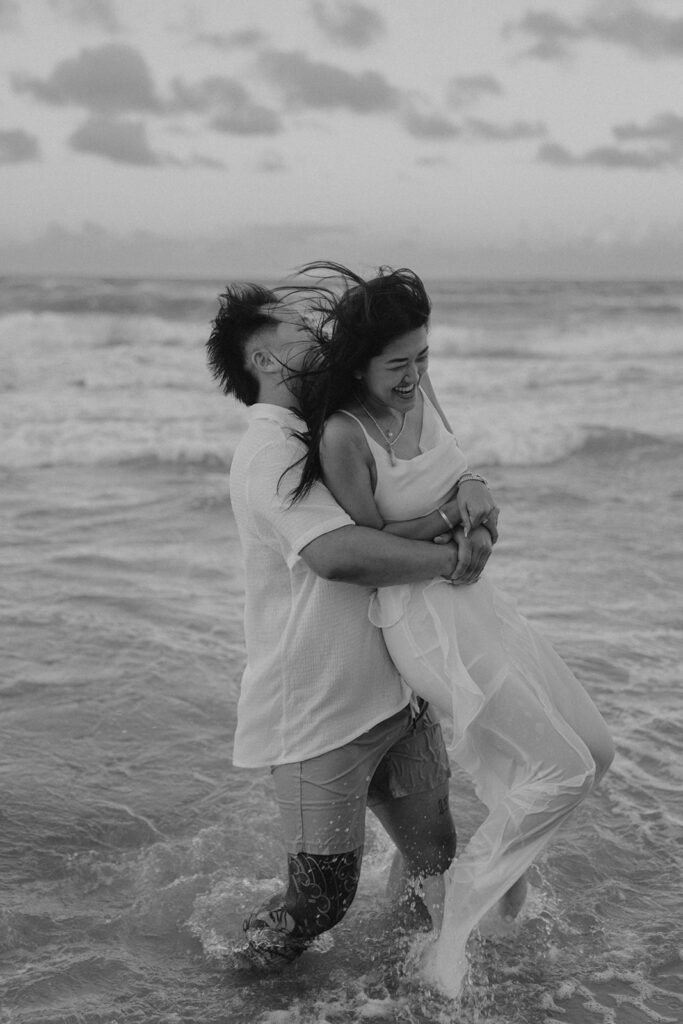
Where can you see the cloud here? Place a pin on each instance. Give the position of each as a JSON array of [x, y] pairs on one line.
[[554, 153], [490, 132], [614, 157], [99, 13], [609, 157], [121, 141], [210, 162], [665, 129], [311, 84], [114, 79], [231, 108], [271, 251], [425, 123], [17, 146], [107, 79], [258, 250], [551, 33], [648, 33], [246, 119], [428, 124], [466, 90], [246, 38], [348, 23]]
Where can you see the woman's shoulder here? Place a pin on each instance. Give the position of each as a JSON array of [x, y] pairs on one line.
[[343, 430]]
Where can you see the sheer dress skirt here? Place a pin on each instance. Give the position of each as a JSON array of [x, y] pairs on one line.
[[523, 728]]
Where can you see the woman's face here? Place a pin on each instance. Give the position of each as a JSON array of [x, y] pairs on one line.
[[392, 378]]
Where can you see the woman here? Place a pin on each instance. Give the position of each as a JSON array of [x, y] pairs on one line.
[[523, 728]]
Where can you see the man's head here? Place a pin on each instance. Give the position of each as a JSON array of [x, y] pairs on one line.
[[256, 340]]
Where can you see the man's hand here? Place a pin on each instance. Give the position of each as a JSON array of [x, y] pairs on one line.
[[477, 508], [473, 554]]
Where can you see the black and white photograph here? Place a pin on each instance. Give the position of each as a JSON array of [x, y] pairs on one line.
[[341, 482]]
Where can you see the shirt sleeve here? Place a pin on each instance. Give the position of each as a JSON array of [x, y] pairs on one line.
[[270, 481]]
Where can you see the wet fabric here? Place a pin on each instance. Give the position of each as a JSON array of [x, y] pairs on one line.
[[521, 723], [323, 800], [319, 892]]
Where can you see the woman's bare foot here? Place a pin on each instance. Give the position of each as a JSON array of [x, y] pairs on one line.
[[512, 902], [499, 920]]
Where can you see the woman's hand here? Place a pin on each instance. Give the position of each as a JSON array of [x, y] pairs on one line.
[[477, 508], [473, 554]]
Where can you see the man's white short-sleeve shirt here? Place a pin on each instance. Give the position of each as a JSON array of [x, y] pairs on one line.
[[318, 673]]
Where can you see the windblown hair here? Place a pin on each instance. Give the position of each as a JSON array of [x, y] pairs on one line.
[[353, 326], [243, 311]]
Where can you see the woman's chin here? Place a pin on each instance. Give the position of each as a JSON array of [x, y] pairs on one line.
[[404, 403]]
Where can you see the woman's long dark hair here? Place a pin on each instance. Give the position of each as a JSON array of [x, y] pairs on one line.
[[355, 321]]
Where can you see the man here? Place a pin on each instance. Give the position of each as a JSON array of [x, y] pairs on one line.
[[321, 703]]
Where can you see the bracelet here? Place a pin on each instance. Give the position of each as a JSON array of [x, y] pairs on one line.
[[472, 476], [445, 518]]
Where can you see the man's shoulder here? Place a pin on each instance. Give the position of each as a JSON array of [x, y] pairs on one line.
[[265, 456], [266, 438]]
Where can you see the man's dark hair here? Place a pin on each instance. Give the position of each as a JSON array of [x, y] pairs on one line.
[[242, 312]]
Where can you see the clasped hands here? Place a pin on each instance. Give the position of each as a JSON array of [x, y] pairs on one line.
[[474, 514]]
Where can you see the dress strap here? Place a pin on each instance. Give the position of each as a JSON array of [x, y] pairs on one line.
[[426, 398], [373, 445], [429, 404], [347, 413]]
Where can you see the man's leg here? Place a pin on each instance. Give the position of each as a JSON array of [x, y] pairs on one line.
[[410, 796], [320, 890], [322, 804]]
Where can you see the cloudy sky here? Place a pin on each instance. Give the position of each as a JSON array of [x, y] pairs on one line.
[[243, 137]]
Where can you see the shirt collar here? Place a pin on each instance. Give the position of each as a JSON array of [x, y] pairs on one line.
[[278, 413]]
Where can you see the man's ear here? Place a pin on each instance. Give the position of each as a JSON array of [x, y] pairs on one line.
[[263, 361]]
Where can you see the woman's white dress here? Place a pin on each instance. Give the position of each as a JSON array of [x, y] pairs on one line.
[[509, 697]]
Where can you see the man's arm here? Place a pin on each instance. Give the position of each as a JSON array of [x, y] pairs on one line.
[[347, 553], [369, 557]]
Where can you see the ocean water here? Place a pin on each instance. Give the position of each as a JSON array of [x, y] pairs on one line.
[[130, 848]]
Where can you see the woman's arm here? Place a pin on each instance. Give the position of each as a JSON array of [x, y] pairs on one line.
[[437, 523], [348, 472]]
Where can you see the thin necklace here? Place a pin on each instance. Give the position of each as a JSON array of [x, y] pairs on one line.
[[388, 435]]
